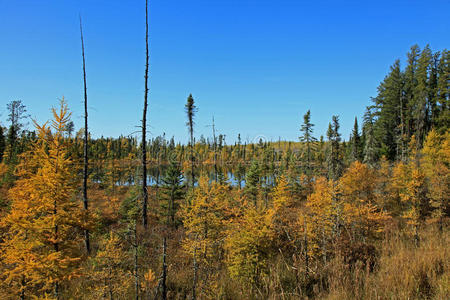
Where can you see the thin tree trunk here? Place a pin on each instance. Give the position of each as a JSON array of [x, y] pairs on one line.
[[214, 147], [306, 251], [144, 127], [194, 280], [164, 274], [136, 268], [85, 143]]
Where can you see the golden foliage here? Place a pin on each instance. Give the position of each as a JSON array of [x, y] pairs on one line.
[[41, 246]]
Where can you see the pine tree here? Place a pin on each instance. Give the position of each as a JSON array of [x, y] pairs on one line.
[[370, 147], [389, 125], [252, 182], [421, 102], [2, 143], [355, 143], [334, 155], [191, 109], [172, 192], [411, 88], [307, 129], [441, 120], [16, 113]]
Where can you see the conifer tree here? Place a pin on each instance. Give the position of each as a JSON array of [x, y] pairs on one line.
[[389, 126], [16, 113], [40, 249], [410, 88], [355, 142], [110, 273], [172, 192], [334, 154], [307, 129], [252, 182], [370, 147], [436, 162], [2, 143], [442, 118], [248, 246], [421, 102], [191, 109]]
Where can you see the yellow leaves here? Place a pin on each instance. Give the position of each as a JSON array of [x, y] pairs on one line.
[[436, 163], [281, 195], [248, 246], [358, 183], [61, 118], [150, 279], [3, 169], [204, 218], [41, 246]]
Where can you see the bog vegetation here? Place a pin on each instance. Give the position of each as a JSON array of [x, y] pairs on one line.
[[328, 218]]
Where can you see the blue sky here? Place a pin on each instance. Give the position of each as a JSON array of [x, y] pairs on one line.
[[256, 65]]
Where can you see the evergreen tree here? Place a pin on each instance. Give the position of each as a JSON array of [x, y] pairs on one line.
[[172, 191], [191, 109], [441, 120], [16, 113], [355, 142], [307, 129], [421, 102], [334, 154], [389, 125], [252, 182], [410, 88], [2, 143], [370, 147]]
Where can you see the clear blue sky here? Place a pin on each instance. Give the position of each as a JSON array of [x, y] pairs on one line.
[[256, 65]]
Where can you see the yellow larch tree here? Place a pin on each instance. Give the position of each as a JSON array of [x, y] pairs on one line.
[[40, 251], [408, 184], [281, 213], [110, 272], [436, 164], [203, 219], [362, 218], [318, 220], [248, 246]]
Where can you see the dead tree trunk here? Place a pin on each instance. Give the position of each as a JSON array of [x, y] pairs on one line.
[[85, 144], [144, 127], [164, 273]]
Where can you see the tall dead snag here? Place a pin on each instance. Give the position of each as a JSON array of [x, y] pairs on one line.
[[85, 143], [144, 127], [164, 273]]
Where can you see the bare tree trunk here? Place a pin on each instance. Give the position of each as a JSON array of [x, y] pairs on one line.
[[306, 251], [85, 143], [164, 274], [144, 127], [194, 280], [215, 149], [136, 268], [22, 292]]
